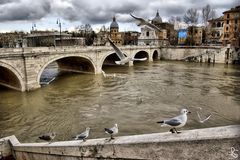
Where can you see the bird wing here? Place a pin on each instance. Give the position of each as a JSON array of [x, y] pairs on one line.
[[173, 122], [199, 118], [207, 117], [140, 59], [117, 50], [203, 120], [144, 22], [109, 131], [140, 20], [45, 137], [81, 136]]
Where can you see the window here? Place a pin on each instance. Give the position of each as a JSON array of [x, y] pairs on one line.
[[228, 16], [218, 24], [236, 21], [226, 28], [227, 21], [147, 34], [214, 25]]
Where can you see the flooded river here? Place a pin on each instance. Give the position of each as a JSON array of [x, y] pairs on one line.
[[134, 97]]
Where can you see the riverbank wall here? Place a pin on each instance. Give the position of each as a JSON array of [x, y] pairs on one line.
[[208, 54], [208, 143]]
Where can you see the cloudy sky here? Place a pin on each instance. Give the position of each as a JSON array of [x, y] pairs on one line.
[[21, 14]]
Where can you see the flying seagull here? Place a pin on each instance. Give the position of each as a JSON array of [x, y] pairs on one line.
[[121, 56], [176, 122], [142, 21], [112, 131], [83, 135], [48, 136], [203, 120]]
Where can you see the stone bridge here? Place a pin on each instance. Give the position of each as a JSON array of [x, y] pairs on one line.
[[21, 68]]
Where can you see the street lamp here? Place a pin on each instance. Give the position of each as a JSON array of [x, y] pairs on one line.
[[60, 27]]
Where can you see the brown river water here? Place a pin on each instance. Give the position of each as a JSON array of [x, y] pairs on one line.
[[133, 97]]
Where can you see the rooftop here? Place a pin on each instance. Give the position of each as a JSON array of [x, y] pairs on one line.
[[114, 24], [157, 19], [236, 9]]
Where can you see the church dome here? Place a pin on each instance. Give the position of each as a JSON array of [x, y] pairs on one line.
[[114, 24], [157, 19]]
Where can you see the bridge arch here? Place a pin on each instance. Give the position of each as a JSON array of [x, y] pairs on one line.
[[80, 64], [155, 55], [10, 77], [109, 59], [141, 54]]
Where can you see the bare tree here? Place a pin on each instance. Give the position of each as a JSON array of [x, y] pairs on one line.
[[191, 16], [207, 13]]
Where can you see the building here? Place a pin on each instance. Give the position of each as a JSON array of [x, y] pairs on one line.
[[195, 35], [171, 33], [70, 41], [115, 35], [150, 36], [44, 38], [130, 38], [231, 29], [180, 25], [215, 31]]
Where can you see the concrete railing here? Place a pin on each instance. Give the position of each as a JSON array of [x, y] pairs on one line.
[[209, 143], [68, 48]]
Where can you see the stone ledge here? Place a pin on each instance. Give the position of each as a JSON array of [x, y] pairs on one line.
[[208, 143]]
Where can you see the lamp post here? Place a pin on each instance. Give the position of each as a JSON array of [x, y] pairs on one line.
[[60, 28]]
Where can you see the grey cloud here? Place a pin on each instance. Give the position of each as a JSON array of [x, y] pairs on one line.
[[101, 11], [24, 10], [7, 1]]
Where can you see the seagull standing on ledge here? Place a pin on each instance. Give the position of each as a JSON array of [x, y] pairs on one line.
[[83, 135], [48, 136], [112, 131], [176, 122]]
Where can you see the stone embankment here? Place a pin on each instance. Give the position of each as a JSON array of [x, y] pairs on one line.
[[209, 143]]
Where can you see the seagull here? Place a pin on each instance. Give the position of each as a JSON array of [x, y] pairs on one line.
[[112, 131], [122, 57], [48, 136], [83, 135], [203, 120], [141, 21], [176, 122]]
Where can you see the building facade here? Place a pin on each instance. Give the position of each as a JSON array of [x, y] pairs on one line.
[[215, 31], [194, 36], [150, 36], [231, 29], [130, 38], [115, 35], [171, 33], [45, 38]]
